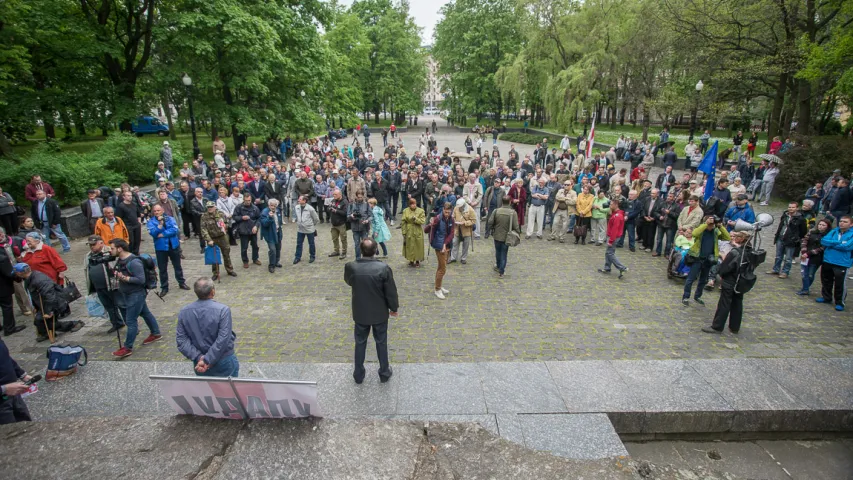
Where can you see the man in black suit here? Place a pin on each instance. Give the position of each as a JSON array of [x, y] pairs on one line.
[[93, 209], [647, 226], [46, 215], [374, 298]]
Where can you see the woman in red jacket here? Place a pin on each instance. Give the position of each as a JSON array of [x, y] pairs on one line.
[[518, 199], [43, 258]]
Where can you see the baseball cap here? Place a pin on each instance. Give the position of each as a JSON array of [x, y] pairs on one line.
[[21, 267], [166, 143], [209, 204], [93, 239], [693, 181]]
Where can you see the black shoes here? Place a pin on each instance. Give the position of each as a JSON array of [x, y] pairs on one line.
[[184, 286], [295, 261], [384, 379], [232, 274], [311, 260], [711, 330], [163, 293], [14, 330], [278, 265], [272, 268]]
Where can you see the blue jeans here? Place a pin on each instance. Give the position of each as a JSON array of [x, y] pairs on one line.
[[631, 231], [357, 237], [501, 250], [136, 306], [300, 237], [572, 219], [275, 251], [225, 367], [785, 254], [699, 270], [57, 230], [808, 272], [670, 237]]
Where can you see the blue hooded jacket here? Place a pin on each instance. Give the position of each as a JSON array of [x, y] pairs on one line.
[[838, 247]]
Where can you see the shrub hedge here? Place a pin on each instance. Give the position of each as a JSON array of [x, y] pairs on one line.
[[813, 160], [121, 158], [529, 138]]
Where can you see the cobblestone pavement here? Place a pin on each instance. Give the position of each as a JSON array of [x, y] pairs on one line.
[[552, 305]]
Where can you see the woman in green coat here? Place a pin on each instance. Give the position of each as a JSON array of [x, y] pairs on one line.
[[413, 233]]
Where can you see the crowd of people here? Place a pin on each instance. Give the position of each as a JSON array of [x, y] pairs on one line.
[[432, 200]]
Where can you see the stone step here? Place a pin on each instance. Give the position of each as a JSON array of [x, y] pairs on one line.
[[205, 448]]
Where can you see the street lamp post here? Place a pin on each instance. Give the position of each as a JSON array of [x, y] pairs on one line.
[[694, 119], [188, 82]]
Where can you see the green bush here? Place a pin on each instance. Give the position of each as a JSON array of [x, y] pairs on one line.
[[70, 174], [529, 138], [121, 158], [813, 160]]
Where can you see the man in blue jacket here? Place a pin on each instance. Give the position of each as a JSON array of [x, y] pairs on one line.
[[167, 246], [205, 335], [837, 248], [740, 211], [632, 211]]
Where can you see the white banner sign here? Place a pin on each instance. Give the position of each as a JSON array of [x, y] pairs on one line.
[[238, 398]]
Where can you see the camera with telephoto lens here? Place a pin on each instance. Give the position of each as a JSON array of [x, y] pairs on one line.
[[100, 258]]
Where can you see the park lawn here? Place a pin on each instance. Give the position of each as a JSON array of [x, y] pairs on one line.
[[90, 142]]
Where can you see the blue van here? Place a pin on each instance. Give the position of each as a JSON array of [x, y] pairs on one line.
[[143, 125]]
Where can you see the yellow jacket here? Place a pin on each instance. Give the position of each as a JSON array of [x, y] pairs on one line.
[[584, 204]]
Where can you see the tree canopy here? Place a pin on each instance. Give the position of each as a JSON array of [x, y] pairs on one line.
[[259, 67]]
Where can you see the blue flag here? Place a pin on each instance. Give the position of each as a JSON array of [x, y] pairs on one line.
[[709, 167]]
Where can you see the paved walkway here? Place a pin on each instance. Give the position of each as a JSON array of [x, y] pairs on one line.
[[552, 305]]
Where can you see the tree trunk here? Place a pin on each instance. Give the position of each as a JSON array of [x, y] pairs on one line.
[[634, 116], [5, 148], [49, 127], [804, 107], [168, 111], [214, 130], [79, 124], [66, 122], [646, 122]]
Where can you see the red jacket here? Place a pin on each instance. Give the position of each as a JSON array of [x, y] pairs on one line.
[[615, 226], [46, 261], [30, 191], [635, 173]]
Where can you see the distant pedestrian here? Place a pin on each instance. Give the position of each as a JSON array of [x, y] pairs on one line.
[[374, 299], [205, 334]]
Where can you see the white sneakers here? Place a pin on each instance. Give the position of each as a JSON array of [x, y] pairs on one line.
[[440, 293], [392, 223], [444, 290]]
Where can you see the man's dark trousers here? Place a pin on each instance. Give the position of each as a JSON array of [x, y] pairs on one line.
[[245, 240], [163, 259], [13, 409], [631, 231], [380, 337], [699, 270], [108, 300], [730, 305], [833, 280], [8, 313]]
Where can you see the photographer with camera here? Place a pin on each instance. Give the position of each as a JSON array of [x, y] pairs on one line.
[[164, 231], [100, 279], [703, 255], [358, 214]]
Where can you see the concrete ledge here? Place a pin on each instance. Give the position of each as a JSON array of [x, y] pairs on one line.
[[670, 397]]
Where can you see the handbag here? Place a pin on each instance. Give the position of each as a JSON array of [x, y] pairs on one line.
[[70, 291], [212, 255], [579, 230], [64, 360], [513, 238]]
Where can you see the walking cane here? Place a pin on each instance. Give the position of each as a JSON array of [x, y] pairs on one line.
[[50, 334]]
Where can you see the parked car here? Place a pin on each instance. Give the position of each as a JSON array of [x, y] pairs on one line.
[[143, 125]]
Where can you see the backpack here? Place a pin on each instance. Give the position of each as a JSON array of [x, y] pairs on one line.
[[746, 271], [149, 264]]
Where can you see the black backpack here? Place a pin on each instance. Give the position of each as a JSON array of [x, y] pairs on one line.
[[149, 266], [746, 271]]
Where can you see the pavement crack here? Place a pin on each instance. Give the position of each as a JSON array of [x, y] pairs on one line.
[[211, 465]]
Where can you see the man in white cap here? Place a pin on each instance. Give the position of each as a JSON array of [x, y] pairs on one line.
[[166, 156], [464, 218]]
